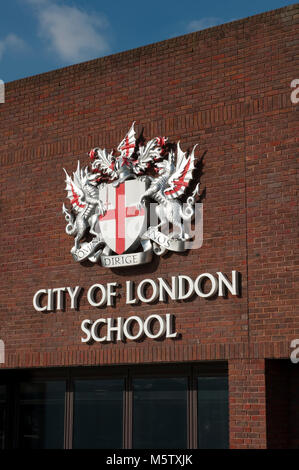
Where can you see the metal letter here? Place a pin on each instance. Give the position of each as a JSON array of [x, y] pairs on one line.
[[127, 326], [182, 287], [118, 328], [36, 300], [86, 330], [169, 326], [111, 294], [165, 288], [74, 294], [94, 330], [147, 325], [90, 295], [129, 293], [198, 285], [141, 289], [59, 296], [233, 287]]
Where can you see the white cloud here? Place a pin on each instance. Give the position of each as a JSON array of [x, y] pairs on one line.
[[70, 32], [11, 43], [203, 23]]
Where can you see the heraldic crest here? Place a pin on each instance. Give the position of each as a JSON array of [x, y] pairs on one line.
[[112, 202]]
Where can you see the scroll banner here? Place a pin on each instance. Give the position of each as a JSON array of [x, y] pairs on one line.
[[86, 250], [128, 259], [163, 240]]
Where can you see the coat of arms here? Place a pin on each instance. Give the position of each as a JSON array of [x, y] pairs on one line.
[[114, 201]]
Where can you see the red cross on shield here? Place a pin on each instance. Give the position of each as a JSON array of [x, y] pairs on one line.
[[123, 222]]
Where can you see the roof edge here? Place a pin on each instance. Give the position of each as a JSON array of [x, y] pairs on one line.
[[45, 76]]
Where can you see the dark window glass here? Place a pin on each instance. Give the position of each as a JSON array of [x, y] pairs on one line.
[[98, 414], [160, 413], [42, 415], [2, 414], [212, 413]]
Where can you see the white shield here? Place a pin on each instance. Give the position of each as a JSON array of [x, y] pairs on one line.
[[122, 222]]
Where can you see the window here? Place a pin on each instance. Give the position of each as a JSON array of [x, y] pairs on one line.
[[98, 414], [176, 406], [160, 413], [212, 412], [42, 415]]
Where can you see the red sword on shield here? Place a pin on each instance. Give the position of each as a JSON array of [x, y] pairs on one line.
[[119, 214]]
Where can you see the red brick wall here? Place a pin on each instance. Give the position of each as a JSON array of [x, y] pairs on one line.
[[247, 404], [227, 88]]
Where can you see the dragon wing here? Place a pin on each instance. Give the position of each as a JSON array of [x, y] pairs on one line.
[[104, 162], [180, 178], [127, 145], [74, 188], [148, 153]]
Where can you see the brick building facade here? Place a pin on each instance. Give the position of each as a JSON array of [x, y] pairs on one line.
[[228, 89]]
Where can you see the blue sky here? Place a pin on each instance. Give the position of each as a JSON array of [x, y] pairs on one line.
[[41, 35]]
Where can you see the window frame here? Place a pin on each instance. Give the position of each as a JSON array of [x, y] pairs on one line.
[[191, 371]]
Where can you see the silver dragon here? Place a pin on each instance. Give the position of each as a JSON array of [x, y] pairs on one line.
[[175, 174], [83, 193]]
